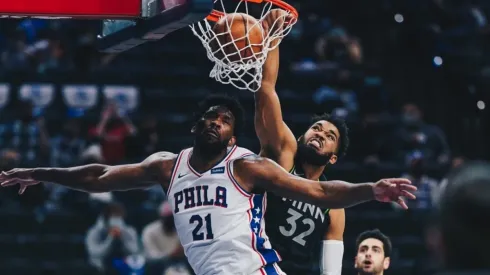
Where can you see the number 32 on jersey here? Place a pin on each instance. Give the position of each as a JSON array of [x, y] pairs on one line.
[[292, 225]]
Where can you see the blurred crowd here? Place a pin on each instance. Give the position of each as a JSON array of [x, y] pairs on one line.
[[406, 76]]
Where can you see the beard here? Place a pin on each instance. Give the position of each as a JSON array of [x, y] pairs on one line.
[[208, 147], [310, 155]]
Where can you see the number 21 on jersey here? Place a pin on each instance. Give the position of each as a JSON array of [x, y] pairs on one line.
[[197, 234], [292, 224]]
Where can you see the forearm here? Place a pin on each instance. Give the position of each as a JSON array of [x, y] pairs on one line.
[[100, 129], [83, 178], [92, 178], [340, 194]]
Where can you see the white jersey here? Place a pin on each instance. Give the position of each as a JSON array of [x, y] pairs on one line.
[[220, 225]]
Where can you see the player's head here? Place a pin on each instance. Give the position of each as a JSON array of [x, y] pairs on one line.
[[325, 141], [461, 230], [218, 122], [373, 252]]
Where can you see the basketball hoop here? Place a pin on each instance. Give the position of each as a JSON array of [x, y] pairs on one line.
[[245, 73]]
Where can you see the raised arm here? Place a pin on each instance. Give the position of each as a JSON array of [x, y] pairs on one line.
[[276, 139], [94, 178], [255, 172]]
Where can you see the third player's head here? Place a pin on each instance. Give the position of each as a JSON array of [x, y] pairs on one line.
[[218, 122], [373, 253], [325, 141]]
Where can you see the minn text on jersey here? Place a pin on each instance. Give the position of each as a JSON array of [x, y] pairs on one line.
[[200, 195]]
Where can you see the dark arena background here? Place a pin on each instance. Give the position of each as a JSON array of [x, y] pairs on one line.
[[411, 77]]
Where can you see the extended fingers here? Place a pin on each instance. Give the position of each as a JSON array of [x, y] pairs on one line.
[[399, 181], [14, 181], [22, 189], [408, 195], [407, 187], [10, 182], [402, 203]]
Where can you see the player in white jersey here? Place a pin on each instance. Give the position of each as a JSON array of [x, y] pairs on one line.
[[217, 193], [217, 208]]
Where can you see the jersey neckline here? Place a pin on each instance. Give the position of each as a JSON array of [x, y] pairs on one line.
[[225, 158]]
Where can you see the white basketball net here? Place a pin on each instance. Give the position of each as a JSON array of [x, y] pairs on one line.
[[245, 73]]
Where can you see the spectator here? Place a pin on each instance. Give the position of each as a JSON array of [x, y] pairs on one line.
[[161, 242], [373, 253], [414, 135], [110, 239], [427, 191], [27, 134], [112, 131], [146, 141], [67, 147], [15, 57]]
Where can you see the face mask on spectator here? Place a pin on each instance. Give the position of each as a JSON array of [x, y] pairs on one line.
[[411, 119]]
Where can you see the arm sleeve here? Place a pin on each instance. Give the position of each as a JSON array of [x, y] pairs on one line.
[[331, 259]]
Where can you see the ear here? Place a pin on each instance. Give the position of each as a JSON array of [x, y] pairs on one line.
[[333, 159], [232, 141], [355, 262], [386, 263]]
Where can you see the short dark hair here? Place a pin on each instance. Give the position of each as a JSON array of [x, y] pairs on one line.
[[341, 126], [378, 235], [231, 103], [113, 207]]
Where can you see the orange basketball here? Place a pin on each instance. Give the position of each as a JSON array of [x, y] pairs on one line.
[[238, 36]]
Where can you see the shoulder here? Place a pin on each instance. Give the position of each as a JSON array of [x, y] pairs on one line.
[[160, 157], [239, 152], [160, 163]]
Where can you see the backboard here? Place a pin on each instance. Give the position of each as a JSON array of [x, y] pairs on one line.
[[126, 23]]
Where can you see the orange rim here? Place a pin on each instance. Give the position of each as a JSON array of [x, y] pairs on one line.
[[216, 15]]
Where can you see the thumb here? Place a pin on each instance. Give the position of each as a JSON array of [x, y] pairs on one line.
[[22, 189]]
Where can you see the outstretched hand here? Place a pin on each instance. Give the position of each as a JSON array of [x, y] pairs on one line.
[[18, 176], [393, 190]]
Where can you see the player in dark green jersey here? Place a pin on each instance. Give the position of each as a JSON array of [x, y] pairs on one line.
[[309, 239]]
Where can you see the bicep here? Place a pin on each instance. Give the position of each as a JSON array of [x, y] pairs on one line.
[[337, 225], [270, 128], [156, 169], [265, 174]]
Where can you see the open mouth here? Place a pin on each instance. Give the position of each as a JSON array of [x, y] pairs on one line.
[[367, 263], [316, 143]]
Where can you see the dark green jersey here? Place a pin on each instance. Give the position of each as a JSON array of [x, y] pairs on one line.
[[296, 231]]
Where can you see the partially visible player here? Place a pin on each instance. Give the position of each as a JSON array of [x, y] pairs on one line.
[[308, 238], [373, 253]]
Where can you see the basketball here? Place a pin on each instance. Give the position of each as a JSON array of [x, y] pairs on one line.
[[238, 36]]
